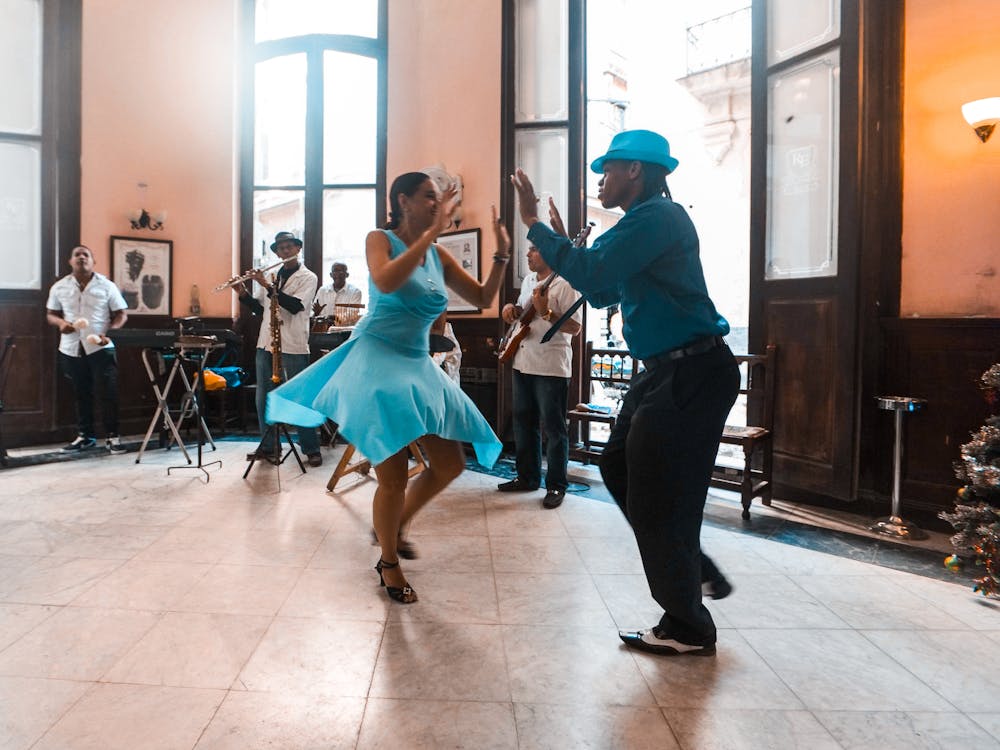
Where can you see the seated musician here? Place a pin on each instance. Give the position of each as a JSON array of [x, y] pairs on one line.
[[331, 297], [294, 285]]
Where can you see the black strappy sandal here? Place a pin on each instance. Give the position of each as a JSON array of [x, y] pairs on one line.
[[404, 595]]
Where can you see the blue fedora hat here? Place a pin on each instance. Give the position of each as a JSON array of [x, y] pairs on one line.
[[638, 145]]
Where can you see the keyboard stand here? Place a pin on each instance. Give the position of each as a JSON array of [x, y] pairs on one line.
[[196, 397], [162, 407]]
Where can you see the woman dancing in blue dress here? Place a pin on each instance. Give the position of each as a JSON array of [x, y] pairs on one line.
[[381, 386]]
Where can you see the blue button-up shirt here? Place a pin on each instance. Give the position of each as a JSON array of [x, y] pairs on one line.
[[649, 263]]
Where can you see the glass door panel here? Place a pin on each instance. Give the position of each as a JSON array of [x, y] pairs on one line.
[[794, 27], [280, 123], [20, 216], [350, 118], [276, 211], [347, 220], [803, 167], [544, 156], [540, 81]]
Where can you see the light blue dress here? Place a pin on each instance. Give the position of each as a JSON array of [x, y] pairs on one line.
[[381, 386]]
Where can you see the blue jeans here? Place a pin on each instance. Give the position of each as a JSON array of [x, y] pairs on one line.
[[292, 364], [540, 405]]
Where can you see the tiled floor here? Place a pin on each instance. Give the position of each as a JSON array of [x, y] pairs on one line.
[[139, 610]]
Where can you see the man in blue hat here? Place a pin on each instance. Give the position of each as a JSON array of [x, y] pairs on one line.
[[660, 454]]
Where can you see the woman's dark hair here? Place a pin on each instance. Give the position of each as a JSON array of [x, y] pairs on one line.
[[654, 181], [406, 184]]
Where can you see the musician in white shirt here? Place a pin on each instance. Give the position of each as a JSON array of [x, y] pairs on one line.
[[84, 306], [541, 382], [338, 292], [294, 285]]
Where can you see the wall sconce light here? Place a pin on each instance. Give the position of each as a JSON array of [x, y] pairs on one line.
[[142, 219], [983, 115]]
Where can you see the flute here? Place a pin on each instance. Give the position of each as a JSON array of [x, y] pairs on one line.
[[245, 277]]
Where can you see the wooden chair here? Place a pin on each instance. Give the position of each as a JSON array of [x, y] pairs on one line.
[[754, 478], [344, 466], [602, 367]]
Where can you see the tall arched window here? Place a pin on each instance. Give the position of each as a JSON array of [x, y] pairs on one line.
[[314, 130]]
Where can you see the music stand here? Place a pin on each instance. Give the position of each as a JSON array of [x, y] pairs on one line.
[[5, 359], [278, 430], [204, 344]]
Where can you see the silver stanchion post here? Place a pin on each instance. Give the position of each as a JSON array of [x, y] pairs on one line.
[[894, 525]]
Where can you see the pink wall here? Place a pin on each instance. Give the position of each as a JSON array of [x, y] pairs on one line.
[[444, 100], [159, 83], [951, 181]]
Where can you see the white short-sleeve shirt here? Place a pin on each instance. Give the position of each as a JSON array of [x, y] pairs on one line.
[[96, 303], [554, 357], [294, 328]]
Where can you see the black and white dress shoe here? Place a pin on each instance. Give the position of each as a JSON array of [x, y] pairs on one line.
[[655, 641]]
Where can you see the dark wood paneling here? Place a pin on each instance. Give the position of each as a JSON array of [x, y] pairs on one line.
[[940, 360], [478, 338], [805, 381]]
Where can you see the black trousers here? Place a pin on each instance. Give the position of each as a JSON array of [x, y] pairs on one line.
[[658, 464], [84, 372]]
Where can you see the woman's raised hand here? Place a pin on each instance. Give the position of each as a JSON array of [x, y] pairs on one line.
[[500, 235], [446, 208]]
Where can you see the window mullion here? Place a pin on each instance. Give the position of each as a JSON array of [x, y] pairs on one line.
[[313, 230]]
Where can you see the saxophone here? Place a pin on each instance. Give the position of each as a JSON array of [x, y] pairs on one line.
[[275, 332]]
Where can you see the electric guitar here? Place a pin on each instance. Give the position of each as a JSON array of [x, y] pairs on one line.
[[515, 334]]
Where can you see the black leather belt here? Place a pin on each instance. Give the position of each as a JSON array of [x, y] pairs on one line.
[[700, 346]]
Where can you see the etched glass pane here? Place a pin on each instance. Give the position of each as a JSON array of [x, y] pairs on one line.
[[540, 80], [542, 154], [20, 221], [348, 217], [350, 118], [794, 27], [278, 19], [275, 211], [802, 170], [280, 121], [21, 66]]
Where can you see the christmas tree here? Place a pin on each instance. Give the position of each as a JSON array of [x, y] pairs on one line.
[[977, 511]]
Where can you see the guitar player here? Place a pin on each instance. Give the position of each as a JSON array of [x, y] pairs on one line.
[[541, 380]]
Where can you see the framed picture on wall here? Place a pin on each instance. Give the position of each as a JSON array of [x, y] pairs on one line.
[[463, 247], [143, 270]]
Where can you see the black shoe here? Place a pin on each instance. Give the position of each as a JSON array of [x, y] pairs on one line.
[[719, 589], [114, 445], [81, 443], [315, 459], [553, 499], [516, 485], [655, 641], [404, 595]]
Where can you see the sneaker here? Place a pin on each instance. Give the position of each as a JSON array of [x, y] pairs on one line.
[[719, 589], [553, 499], [81, 443], [114, 445], [656, 641], [315, 459]]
